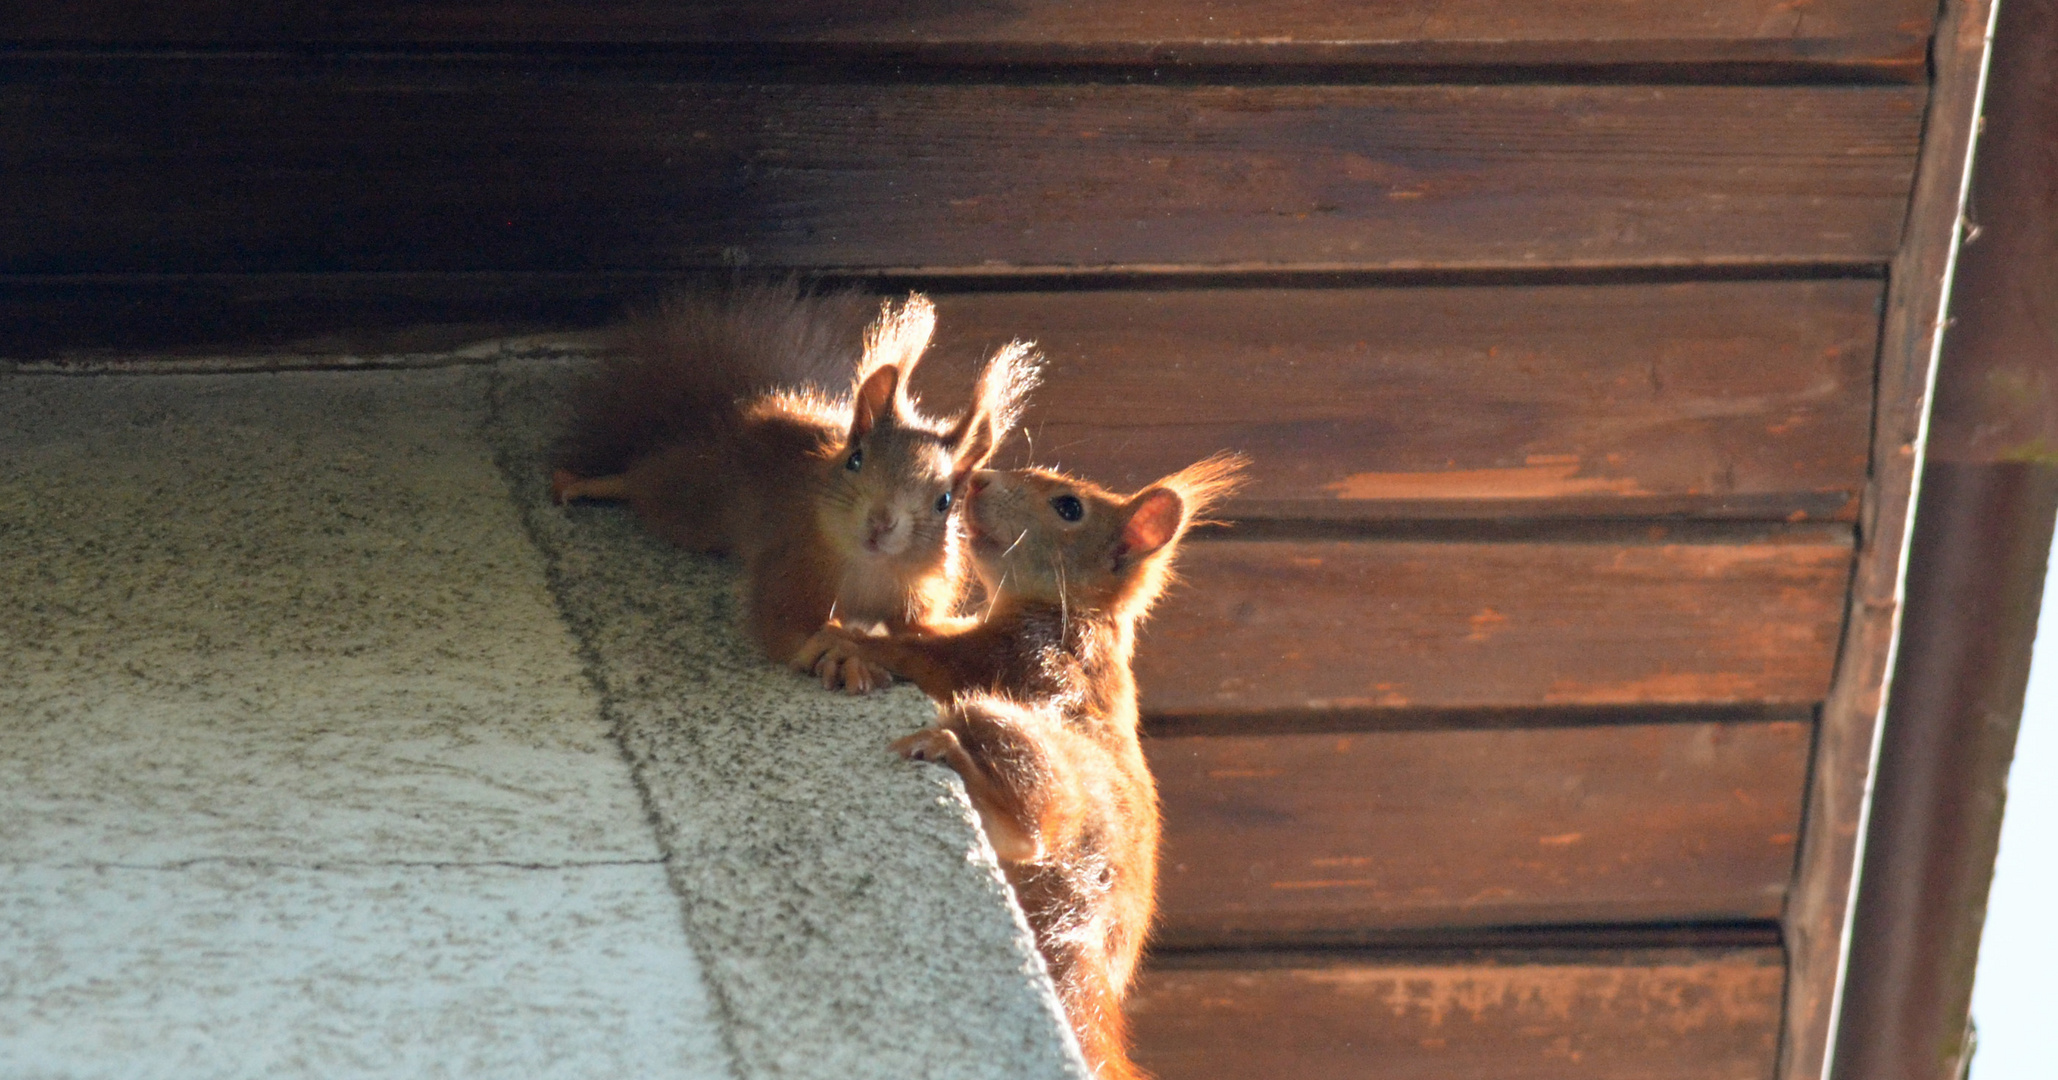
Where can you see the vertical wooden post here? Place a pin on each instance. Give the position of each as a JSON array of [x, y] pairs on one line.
[[1817, 920], [1983, 522]]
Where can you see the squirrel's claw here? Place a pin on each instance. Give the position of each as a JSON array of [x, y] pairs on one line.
[[815, 650], [862, 676], [832, 656], [931, 744]]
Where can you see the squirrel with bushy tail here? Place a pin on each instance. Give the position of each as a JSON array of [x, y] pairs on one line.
[[747, 423]]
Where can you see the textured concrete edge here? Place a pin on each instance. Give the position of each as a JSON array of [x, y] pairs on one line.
[[494, 430], [880, 1038]]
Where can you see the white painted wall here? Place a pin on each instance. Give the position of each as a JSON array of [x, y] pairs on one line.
[[2015, 997]]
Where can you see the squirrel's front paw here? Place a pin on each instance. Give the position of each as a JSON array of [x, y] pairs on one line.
[[832, 654], [824, 641], [853, 674]]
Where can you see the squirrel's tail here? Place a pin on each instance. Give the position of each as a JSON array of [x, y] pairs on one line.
[[679, 369], [1095, 1009]]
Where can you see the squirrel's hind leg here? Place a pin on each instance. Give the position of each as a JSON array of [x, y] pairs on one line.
[[566, 485]]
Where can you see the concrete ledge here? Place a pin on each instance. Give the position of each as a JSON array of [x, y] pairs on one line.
[[852, 921], [302, 772], [260, 970]]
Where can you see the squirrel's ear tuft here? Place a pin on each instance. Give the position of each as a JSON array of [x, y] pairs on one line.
[[898, 337], [1207, 482], [1156, 517], [997, 404], [893, 346], [874, 401], [1166, 509]]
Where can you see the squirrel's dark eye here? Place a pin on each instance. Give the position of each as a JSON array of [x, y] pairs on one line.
[[1068, 507], [855, 461], [943, 503]]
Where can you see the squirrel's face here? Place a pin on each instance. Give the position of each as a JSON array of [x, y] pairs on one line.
[[891, 497], [892, 488], [1041, 535]]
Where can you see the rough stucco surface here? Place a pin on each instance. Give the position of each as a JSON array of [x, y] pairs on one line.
[[299, 772], [302, 772], [264, 970], [284, 617], [850, 919]]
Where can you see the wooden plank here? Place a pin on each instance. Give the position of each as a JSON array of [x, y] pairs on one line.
[[1739, 400], [1842, 33], [385, 164], [1818, 915], [1721, 399], [1267, 625], [1678, 1015], [1314, 837]]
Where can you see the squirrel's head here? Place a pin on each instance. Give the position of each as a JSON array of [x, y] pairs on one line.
[[895, 482], [1042, 535]]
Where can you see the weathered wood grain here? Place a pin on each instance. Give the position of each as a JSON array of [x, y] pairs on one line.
[[1675, 1014], [118, 165], [1719, 399], [1266, 625], [1738, 400], [1856, 34], [1321, 837]]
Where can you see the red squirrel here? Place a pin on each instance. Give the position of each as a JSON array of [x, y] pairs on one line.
[[714, 421], [1039, 713]]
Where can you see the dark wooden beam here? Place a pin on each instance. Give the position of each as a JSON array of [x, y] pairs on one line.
[[1818, 912], [1975, 576], [153, 165], [1983, 526], [1829, 38]]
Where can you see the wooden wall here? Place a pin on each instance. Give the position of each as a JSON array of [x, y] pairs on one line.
[[1551, 326]]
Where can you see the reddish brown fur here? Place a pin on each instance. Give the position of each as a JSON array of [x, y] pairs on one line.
[[713, 423], [1039, 714]]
